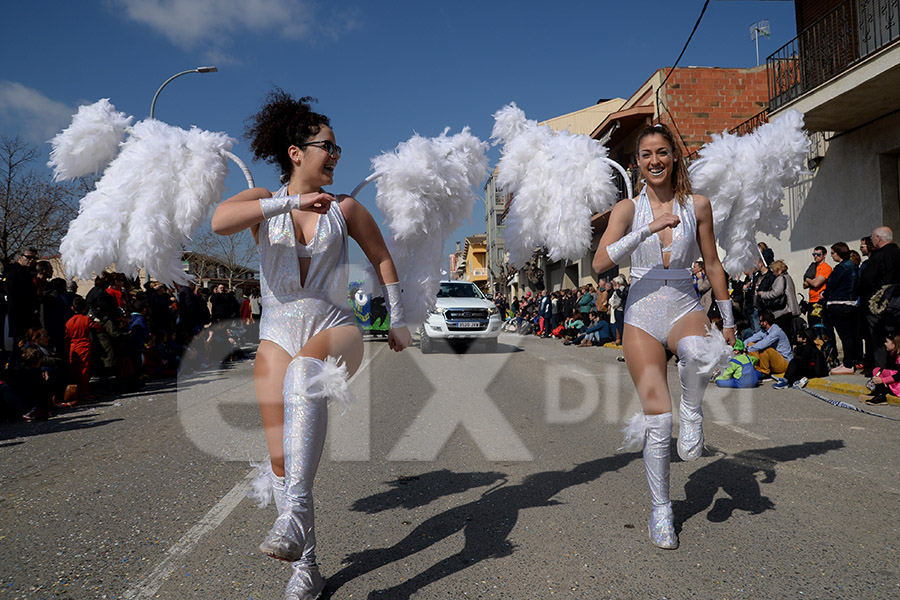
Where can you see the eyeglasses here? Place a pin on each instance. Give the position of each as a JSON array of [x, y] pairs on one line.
[[29, 256], [818, 254], [326, 145]]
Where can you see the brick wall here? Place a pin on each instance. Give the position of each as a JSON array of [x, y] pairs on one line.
[[704, 100]]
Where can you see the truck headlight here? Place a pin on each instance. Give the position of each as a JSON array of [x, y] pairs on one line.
[[436, 311], [493, 310]]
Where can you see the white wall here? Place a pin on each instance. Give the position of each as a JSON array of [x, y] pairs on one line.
[[853, 190]]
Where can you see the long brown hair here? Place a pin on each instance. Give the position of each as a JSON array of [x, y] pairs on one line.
[[681, 183]]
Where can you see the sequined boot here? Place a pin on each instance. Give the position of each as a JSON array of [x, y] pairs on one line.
[[656, 463], [693, 385], [305, 426], [306, 583]]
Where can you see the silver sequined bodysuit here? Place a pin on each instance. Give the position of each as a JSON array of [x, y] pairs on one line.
[[293, 313], [660, 296]]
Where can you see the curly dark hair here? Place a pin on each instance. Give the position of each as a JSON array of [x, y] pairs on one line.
[[280, 123]]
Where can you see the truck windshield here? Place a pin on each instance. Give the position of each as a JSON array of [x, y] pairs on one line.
[[459, 290]]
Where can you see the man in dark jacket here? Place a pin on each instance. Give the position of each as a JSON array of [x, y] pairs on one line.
[[21, 296], [882, 268], [223, 305]]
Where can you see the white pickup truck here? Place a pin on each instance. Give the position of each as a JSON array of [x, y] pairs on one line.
[[462, 313]]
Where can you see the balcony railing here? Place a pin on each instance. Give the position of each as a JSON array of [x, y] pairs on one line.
[[751, 124], [833, 44]]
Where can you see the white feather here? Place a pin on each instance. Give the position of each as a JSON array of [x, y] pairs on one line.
[[744, 179], [261, 491], [425, 191], [148, 202], [558, 181], [90, 142], [635, 432], [714, 352], [330, 382]]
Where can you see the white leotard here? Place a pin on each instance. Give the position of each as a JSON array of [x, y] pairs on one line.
[[292, 313], [660, 296]]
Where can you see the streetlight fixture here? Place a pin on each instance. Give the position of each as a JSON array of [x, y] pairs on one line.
[[197, 70]]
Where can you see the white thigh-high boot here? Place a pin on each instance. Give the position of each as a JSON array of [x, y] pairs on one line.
[[309, 384], [266, 487], [656, 463], [694, 373]]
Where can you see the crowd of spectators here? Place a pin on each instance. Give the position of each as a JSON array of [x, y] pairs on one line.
[[62, 348], [584, 316]]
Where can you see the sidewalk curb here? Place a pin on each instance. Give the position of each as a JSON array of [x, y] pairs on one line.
[[852, 389]]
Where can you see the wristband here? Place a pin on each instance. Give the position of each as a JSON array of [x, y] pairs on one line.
[[727, 312], [394, 306], [277, 205], [628, 244]]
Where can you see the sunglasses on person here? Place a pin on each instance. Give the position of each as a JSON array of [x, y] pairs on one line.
[[29, 256], [818, 254], [326, 145]]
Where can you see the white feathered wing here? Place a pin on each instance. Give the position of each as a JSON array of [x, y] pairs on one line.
[[426, 191], [149, 200], [744, 178], [557, 179]]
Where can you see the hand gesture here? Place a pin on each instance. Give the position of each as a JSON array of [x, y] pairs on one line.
[[317, 202], [668, 220], [728, 332], [399, 338]]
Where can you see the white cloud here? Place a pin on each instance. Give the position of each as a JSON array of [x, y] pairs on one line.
[[31, 114], [188, 23]]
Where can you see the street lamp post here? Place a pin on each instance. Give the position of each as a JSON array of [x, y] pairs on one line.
[[197, 70]]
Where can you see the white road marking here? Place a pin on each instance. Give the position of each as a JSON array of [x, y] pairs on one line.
[[217, 514]]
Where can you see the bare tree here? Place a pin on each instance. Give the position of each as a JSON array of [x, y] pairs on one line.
[[235, 254], [34, 210]]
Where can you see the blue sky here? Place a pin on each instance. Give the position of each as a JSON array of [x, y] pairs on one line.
[[381, 70]]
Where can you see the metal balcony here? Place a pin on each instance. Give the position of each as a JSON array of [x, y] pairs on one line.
[[842, 39]]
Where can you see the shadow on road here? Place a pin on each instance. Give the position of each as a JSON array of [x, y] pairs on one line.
[[737, 476], [486, 523], [63, 422], [420, 490]]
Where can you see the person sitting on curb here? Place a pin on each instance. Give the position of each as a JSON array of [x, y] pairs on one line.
[[808, 363], [597, 333], [741, 371], [885, 381], [770, 345]]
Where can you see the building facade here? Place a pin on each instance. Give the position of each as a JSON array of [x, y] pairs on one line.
[[842, 71]]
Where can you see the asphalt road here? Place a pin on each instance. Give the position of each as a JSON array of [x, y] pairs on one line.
[[468, 475]]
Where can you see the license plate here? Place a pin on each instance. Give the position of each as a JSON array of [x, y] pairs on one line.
[[468, 325]]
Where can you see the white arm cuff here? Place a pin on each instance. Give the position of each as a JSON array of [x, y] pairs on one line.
[[278, 205], [725, 309], [625, 246], [394, 306]]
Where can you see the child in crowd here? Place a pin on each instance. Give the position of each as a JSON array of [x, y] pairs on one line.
[[78, 338], [741, 371], [808, 362], [885, 381]]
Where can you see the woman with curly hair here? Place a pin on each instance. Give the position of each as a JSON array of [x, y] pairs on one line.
[[669, 228], [309, 340]]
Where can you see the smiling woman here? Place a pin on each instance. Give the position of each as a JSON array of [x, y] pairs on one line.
[[309, 341], [669, 227]]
